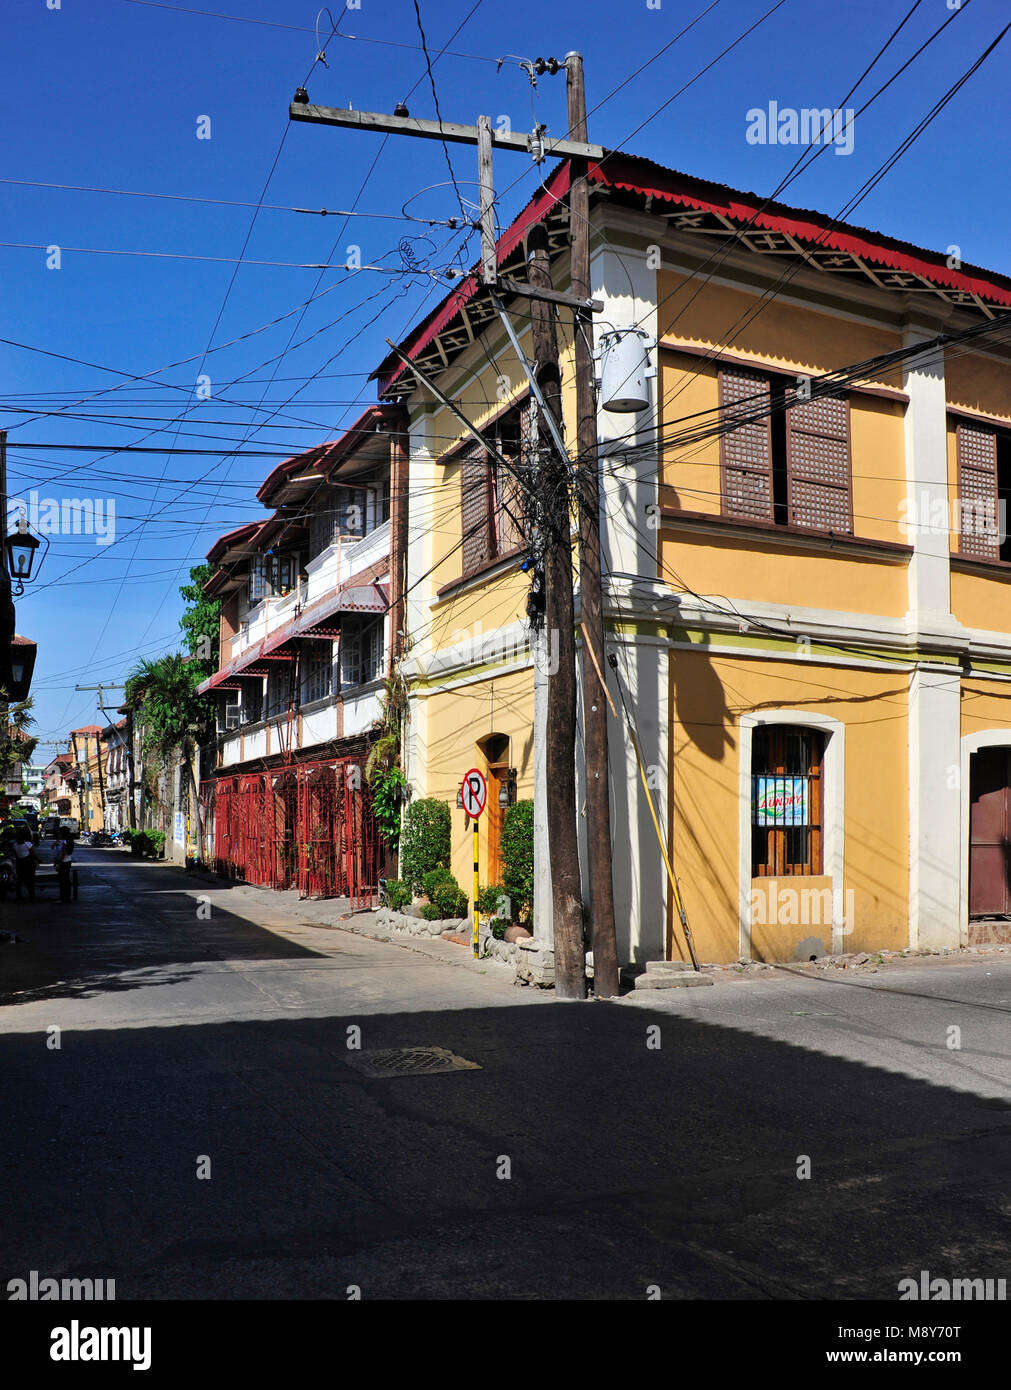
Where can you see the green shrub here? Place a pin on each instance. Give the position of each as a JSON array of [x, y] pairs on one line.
[[425, 842], [518, 857], [155, 843], [450, 900], [397, 893], [388, 787], [434, 878], [431, 913], [488, 897]]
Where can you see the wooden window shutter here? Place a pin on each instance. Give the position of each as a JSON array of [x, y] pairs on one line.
[[510, 508], [746, 452], [977, 493], [818, 464], [476, 514]]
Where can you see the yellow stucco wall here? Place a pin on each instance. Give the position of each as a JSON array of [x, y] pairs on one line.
[[793, 337], [708, 695], [774, 572], [980, 601], [977, 383], [985, 705]]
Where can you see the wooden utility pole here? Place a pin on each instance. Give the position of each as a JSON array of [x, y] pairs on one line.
[[553, 486], [101, 687], [552, 483], [598, 810]]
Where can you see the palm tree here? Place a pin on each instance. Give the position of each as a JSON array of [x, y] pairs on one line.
[[163, 693]]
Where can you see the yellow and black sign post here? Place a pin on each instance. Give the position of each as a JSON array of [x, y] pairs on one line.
[[474, 795]]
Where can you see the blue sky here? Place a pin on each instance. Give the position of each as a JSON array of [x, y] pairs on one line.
[[109, 95]]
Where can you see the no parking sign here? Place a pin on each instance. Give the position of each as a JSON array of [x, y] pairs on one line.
[[474, 793]]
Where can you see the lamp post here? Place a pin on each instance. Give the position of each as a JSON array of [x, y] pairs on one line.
[[17, 654], [19, 555]]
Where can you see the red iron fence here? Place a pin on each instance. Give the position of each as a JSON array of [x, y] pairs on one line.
[[308, 826]]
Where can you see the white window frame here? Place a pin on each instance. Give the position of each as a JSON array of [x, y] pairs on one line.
[[833, 822]]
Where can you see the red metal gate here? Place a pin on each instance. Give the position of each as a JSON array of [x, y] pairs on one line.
[[308, 826]]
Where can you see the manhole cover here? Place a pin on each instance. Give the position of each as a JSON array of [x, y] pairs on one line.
[[410, 1061]]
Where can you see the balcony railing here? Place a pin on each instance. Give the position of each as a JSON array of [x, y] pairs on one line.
[[330, 570]]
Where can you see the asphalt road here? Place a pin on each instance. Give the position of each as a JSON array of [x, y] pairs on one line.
[[578, 1159]]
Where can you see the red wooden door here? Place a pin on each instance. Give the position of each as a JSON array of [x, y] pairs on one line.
[[990, 833]]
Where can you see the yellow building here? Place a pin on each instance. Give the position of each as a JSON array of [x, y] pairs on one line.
[[805, 572]]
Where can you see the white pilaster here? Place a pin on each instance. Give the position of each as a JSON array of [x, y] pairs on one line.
[[623, 281], [934, 691], [927, 499], [935, 844]]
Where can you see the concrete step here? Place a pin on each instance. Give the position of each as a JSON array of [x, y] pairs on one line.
[[672, 979], [667, 967]]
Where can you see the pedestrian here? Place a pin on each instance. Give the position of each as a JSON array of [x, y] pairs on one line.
[[63, 862], [26, 861], [7, 870]]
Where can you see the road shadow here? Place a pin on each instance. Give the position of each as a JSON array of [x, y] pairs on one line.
[[594, 1152]]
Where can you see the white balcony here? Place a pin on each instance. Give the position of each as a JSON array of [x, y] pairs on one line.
[[346, 557], [329, 571]]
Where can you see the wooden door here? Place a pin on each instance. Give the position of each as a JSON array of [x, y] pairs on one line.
[[990, 832], [498, 774]]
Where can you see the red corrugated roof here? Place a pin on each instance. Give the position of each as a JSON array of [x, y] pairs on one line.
[[240, 533], [646, 178]]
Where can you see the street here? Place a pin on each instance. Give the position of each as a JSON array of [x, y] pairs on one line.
[[202, 1131]]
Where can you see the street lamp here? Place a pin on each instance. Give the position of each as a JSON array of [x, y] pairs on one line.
[[20, 547], [21, 665]]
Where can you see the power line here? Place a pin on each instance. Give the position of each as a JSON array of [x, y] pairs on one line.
[[302, 29], [231, 203], [219, 260]]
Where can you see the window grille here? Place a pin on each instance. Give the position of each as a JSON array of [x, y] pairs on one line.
[[786, 801]]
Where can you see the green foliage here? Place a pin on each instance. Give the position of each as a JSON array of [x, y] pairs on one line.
[[382, 766], [145, 843], [488, 896], [15, 744], [432, 880], [156, 843], [388, 787], [498, 928], [382, 755], [397, 893], [518, 857], [450, 900], [425, 841], [431, 913], [164, 695], [200, 620]]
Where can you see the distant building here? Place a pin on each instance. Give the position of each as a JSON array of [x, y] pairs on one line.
[[116, 755]]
